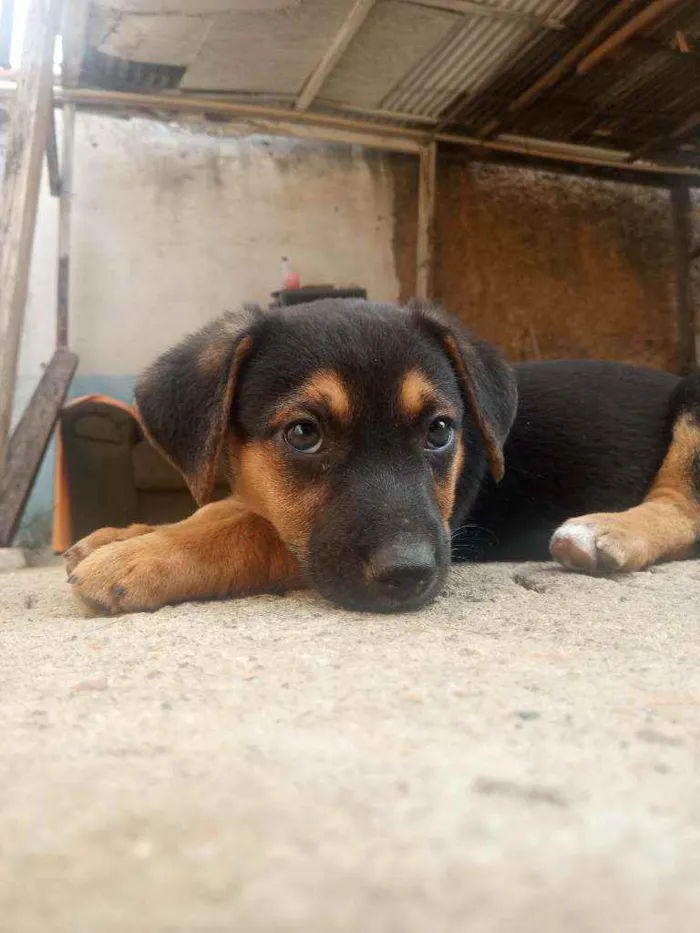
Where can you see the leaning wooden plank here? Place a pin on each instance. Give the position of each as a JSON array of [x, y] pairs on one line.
[[26, 142], [30, 439]]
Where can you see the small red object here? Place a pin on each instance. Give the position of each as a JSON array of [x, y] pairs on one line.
[[291, 279]]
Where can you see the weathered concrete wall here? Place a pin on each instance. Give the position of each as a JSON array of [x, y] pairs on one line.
[[172, 227], [548, 265]]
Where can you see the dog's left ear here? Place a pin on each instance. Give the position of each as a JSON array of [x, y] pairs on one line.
[[487, 382]]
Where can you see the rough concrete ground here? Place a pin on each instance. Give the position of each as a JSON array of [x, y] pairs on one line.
[[520, 758]]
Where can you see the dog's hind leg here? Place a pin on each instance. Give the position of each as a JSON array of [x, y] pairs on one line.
[[665, 526]]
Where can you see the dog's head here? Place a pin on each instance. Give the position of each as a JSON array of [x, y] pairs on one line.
[[359, 430]]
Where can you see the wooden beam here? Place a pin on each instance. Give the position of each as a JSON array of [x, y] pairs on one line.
[[425, 247], [694, 254], [560, 68], [685, 304], [64, 212], [646, 16], [363, 132], [336, 128], [30, 440], [26, 141], [52, 156], [335, 51], [306, 125]]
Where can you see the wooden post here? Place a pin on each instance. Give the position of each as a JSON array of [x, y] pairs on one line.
[[427, 172], [64, 212], [685, 305], [26, 143], [52, 155]]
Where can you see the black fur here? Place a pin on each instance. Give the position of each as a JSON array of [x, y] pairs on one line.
[[588, 436]]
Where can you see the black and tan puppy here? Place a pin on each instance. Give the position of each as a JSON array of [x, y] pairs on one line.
[[368, 444]]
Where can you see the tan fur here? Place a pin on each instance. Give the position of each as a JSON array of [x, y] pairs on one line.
[[415, 392], [323, 388], [262, 484], [446, 490], [665, 526], [83, 548], [222, 550]]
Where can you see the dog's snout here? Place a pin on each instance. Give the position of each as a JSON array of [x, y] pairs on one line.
[[403, 571]]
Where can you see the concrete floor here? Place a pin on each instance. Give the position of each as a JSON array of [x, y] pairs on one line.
[[520, 758]]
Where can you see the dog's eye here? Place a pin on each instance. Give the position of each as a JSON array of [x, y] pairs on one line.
[[304, 436], [440, 434]]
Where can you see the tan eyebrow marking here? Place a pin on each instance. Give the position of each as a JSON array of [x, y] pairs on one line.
[[324, 388], [416, 391]]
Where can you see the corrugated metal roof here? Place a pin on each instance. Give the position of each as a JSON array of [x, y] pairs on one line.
[[468, 58], [456, 63]]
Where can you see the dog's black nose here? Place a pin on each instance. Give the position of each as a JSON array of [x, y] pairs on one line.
[[402, 571]]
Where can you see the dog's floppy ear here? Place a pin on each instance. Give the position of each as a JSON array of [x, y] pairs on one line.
[[184, 399], [487, 382]]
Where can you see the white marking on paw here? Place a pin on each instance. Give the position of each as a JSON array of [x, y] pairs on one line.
[[581, 537]]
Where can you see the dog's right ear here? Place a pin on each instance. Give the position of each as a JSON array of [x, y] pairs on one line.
[[184, 399]]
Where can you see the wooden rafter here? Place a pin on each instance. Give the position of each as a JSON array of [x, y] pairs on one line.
[[335, 128], [335, 51], [565, 64], [633, 26]]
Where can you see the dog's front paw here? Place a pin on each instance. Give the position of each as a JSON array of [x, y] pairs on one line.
[[103, 536], [604, 543], [127, 576]]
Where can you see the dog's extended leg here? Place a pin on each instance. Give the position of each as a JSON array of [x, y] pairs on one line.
[[665, 526], [83, 548], [224, 549]]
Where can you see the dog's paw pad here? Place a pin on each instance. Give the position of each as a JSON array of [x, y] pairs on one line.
[[574, 546], [589, 548]]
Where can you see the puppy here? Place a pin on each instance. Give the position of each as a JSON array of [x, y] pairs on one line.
[[369, 444]]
